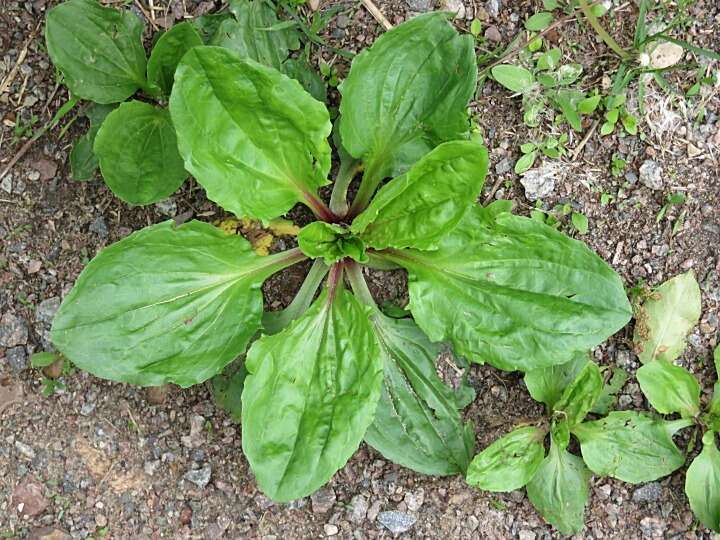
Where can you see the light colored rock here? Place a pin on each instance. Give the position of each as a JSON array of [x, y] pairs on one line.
[[651, 174], [666, 54], [454, 6], [396, 522], [539, 182]]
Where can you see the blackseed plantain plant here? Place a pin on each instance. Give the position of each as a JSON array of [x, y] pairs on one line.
[[99, 52], [178, 304]]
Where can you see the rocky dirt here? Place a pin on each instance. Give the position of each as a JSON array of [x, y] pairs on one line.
[[105, 460]]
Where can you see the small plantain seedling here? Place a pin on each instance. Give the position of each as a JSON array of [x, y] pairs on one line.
[[557, 482], [636, 447], [547, 84], [177, 304], [99, 51]]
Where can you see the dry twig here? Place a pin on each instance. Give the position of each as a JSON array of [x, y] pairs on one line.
[[377, 14]]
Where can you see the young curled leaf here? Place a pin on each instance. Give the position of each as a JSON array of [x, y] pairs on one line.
[[547, 384], [670, 388], [331, 242], [510, 462], [416, 209], [577, 400], [630, 446], [310, 395], [702, 484]]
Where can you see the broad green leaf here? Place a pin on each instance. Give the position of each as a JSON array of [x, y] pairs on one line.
[[99, 50], [510, 462], [416, 209], [670, 388], [331, 242], [513, 292], [406, 94], [254, 33], [43, 359], [578, 398], [588, 105], [665, 319], [227, 388], [702, 484], [608, 396], [310, 396], [417, 423], [547, 384], [274, 150], [166, 304], [525, 162], [629, 123], [138, 155], [514, 78], [301, 71], [207, 25], [550, 59], [714, 406], [539, 21], [168, 51], [83, 161], [559, 490], [568, 74], [580, 222], [630, 446]]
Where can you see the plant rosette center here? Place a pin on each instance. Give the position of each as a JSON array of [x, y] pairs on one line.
[[332, 242]]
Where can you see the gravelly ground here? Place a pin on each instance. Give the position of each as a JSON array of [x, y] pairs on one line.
[[100, 458]]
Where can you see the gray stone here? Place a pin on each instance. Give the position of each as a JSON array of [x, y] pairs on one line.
[[87, 409], [503, 166], [199, 477], [631, 178], [330, 529], [396, 522], [342, 21], [421, 5], [538, 182], [17, 358], [25, 449], [648, 493], [493, 7], [13, 331], [493, 34], [414, 499], [358, 508], [98, 227], [526, 534], [653, 527], [651, 174], [46, 310], [323, 500], [453, 6], [167, 207]]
